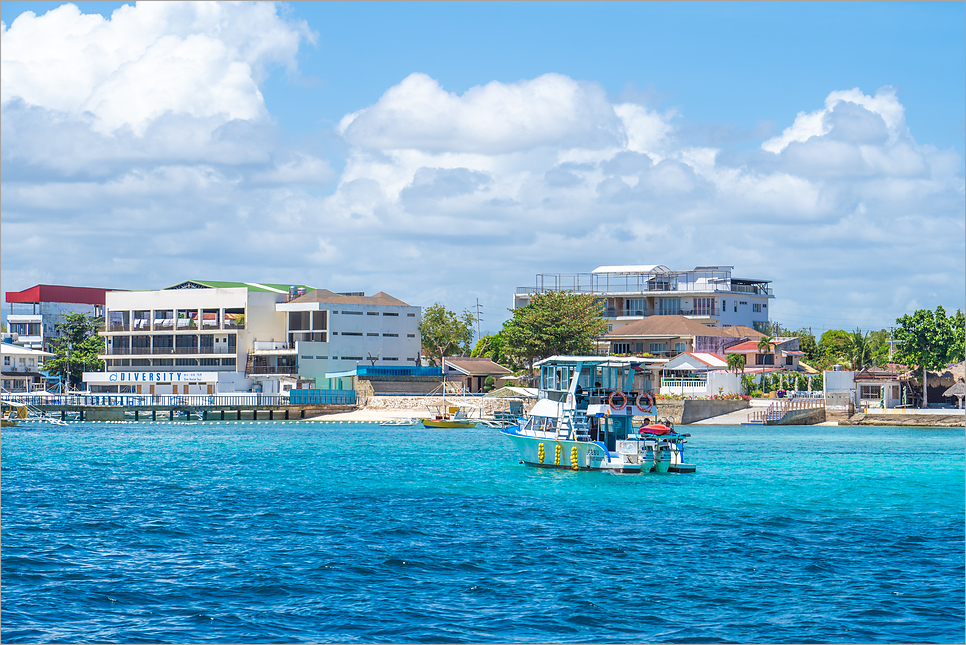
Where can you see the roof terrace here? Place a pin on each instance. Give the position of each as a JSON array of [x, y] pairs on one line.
[[648, 279]]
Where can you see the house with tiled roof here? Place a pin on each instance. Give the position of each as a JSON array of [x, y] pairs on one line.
[[472, 372], [783, 355], [669, 336]]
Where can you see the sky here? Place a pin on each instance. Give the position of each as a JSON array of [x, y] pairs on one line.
[[448, 152]]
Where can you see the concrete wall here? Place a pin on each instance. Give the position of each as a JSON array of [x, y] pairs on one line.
[[699, 410], [802, 417]]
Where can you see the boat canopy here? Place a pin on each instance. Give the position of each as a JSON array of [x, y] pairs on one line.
[[546, 408]]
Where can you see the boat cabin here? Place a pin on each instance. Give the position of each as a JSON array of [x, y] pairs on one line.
[[603, 395]]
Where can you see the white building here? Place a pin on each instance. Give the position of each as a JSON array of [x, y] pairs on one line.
[[710, 295], [255, 337], [332, 333], [22, 367], [33, 314]]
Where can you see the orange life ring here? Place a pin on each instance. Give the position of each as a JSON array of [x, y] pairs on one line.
[[647, 396], [623, 404]]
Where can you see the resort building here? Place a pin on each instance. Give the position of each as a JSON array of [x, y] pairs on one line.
[[253, 336], [710, 295], [33, 314]]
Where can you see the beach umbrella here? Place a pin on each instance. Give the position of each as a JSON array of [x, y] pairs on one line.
[[959, 391]]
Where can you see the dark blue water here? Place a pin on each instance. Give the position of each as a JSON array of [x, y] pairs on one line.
[[244, 532]]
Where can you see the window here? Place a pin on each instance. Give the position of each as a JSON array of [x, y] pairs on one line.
[[756, 307], [788, 360], [871, 392], [680, 347], [704, 306], [321, 358], [656, 348], [668, 306], [352, 358], [391, 335], [391, 358], [622, 348], [230, 362], [410, 335], [186, 361], [372, 313], [209, 362], [6, 360], [352, 333], [635, 306], [352, 313], [764, 359], [736, 306], [386, 313], [372, 334], [742, 302], [411, 315]]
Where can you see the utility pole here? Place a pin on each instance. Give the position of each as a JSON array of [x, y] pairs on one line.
[[478, 317]]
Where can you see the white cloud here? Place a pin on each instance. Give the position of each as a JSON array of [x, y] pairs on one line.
[[885, 103], [496, 118], [442, 195], [200, 59]]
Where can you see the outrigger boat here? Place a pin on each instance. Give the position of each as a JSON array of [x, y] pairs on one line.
[[583, 420], [450, 414]]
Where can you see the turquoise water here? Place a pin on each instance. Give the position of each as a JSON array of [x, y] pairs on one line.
[[298, 532]]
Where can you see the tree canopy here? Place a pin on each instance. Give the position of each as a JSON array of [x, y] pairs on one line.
[[555, 322], [77, 345], [443, 332], [929, 340]]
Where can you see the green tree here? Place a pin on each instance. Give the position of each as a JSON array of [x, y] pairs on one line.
[[76, 347], [736, 363], [832, 345], [555, 323], [444, 332], [925, 339], [807, 344], [957, 324]]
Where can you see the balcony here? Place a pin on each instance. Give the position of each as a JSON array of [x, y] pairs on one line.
[[168, 351], [291, 370]]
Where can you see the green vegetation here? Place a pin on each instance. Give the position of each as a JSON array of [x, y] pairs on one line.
[[76, 347], [929, 340], [554, 323], [736, 362], [443, 332]]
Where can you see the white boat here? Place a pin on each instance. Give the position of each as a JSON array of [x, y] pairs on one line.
[[584, 420]]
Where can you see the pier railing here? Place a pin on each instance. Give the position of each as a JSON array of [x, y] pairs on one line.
[[777, 410], [147, 400]]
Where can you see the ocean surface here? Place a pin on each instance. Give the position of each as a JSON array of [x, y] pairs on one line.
[[324, 532]]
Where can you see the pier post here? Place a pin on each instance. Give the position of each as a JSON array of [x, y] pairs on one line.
[[171, 414]]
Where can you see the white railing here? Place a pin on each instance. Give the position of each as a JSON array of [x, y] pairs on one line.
[[780, 408]]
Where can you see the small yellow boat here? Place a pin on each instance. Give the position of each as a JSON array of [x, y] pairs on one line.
[[12, 414], [451, 415]]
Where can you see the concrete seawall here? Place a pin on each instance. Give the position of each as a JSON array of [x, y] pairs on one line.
[[684, 412]]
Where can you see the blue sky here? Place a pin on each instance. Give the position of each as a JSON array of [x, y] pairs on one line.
[[856, 221]]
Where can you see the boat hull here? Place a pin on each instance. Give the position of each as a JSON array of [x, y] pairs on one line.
[[430, 423], [585, 455]]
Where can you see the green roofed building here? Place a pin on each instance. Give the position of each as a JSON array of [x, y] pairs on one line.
[[205, 337]]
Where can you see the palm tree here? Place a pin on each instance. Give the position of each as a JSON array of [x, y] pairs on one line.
[[736, 362], [858, 350], [764, 345]]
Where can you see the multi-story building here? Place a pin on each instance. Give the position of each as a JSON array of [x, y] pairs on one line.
[[710, 295], [252, 336], [33, 314], [22, 367], [331, 333]]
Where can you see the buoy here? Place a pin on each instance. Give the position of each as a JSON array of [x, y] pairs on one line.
[[556, 455], [540, 452], [573, 458]]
